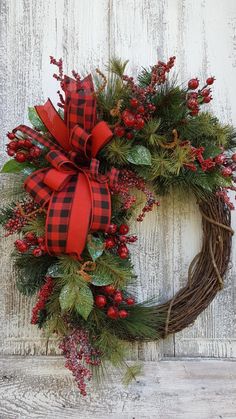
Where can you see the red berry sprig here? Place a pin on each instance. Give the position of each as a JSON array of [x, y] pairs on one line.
[[111, 301], [43, 295], [18, 218], [117, 238], [22, 149], [202, 96], [31, 243]]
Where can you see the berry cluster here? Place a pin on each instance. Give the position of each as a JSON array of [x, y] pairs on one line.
[[22, 149], [111, 301], [43, 296], [79, 352], [32, 243], [200, 97], [129, 180], [116, 238], [18, 217], [228, 164]]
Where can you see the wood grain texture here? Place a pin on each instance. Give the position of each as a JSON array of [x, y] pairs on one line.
[[40, 387], [86, 34]]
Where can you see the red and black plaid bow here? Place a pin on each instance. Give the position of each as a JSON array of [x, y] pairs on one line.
[[78, 197]]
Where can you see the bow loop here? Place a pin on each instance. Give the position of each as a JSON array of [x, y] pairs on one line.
[[60, 162]]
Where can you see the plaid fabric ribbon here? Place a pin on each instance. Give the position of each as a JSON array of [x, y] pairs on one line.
[[77, 196]]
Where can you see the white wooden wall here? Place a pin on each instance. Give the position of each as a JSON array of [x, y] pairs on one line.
[[202, 35]]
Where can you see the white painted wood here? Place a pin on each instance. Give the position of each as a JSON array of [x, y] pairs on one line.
[[202, 35], [40, 387]]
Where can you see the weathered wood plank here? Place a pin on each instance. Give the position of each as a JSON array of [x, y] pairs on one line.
[[40, 387]]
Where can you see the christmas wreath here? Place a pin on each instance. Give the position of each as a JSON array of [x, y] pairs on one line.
[[79, 169]]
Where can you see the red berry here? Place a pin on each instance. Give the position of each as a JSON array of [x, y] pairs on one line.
[[193, 84], [194, 112], [123, 229], [130, 301], [110, 243], [20, 157], [227, 171], [220, 159], [112, 229], [122, 239], [123, 251], [100, 301], [11, 135], [21, 246], [123, 314], [118, 298], [210, 80], [139, 123], [30, 237], [109, 289], [28, 144], [112, 312], [129, 135], [133, 102], [119, 131], [35, 152], [37, 252], [141, 109], [20, 143], [12, 145], [10, 152], [128, 118], [233, 157], [207, 99], [41, 240], [205, 92], [192, 103]]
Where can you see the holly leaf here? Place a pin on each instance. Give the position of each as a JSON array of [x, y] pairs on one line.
[[35, 120], [95, 246], [67, 297], [84, 302], [13, 166], [139, 155], [100, 280]]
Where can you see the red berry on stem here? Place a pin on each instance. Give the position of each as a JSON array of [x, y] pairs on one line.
[[112, 229], [210, 80], [10, 152], [35, 152], [30, 237], [100, 301], [205, 92], [192, 103], [21, 246], [129, 135], [41, 240], [12, 145], [123, 314], [139, 123], [133, 102], [110, 243], [20, 143], [194, 112], [28, 144], [193, 84], [20, 157], [109, 289], [220, 159], [141, 109], [130, 301], [123, 251], [207, 99], [37, 252], [112, 312], [118, 297], [227, 171], [11, 135], [233, 157], [123, 229], [128, 118], [122, 239], [119, 131]]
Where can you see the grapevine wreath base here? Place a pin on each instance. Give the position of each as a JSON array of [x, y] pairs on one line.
[[80, 166]]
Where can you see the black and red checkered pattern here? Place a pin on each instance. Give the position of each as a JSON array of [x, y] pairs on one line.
[[77, 195]]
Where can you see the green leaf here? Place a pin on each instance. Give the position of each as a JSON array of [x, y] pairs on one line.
[[84, 302], [100, 280], [139, 155], [35, 120], [68, 297], [95, 247], [13, 166], [54, 271]]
